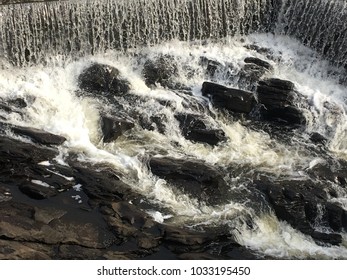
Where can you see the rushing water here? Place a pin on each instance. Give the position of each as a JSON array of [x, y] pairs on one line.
[[43, 59]]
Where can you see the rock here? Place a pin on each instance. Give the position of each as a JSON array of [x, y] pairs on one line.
[[5, 193], [151, 123], [317, 138], [36, 191], [192, 177], [194, 129], [38, 135], [234, 100], [102, 183], [259, 62], [327, 238], [184, 236], [161, 70], [297, 203], [113, 127], [103, 79], [337, 217], [278, 97]]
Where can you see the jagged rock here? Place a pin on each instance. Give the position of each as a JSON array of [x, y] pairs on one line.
[[113, 127], [194, 129], [5, 193], [151, 123], [234, 100], [192, 177], [103, 79], [160, 70], [278, 97], [297, 203], [38, 135]]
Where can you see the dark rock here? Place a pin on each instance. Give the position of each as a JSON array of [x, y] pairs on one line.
[[193, 177], [259, 62], [278, 97], [195, 130], [36, 191], [297, 203], [151, 123], [18, 102], [105, 79], [234, 100], [327, 238], [39, 136], [5, 193], [112, 128], [185, 237], [317, 138], [337, 217], [102, 183], [160, 70]]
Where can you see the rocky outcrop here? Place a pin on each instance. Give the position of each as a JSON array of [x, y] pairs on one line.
[[194, 129], [231, 99], [304, 205], [192, 177], [160, 70], [113, 127], [279, 99], [104, 80]]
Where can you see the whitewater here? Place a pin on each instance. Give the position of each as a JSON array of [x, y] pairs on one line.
[[48, 82]]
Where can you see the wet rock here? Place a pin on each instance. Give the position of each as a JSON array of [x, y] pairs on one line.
[[337, 217], [19, 250], [194, 129], [317, 138], [5, 193], [161, 70], [36, 191], [185, 237], [151, 123], [278, 99], [327, 238], [18, 103], [113, 127], [39, 136], [103, 79], [192, 177], [101, 183], [234, 100], [259, 62], [297, 203]]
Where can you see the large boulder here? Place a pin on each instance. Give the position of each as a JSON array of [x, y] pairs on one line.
[[103, 79], [231, 99], [160, 70], [194, 129], [300, 202], [278, 102], [193, 177]]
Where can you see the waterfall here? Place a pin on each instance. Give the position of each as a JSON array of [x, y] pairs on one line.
[[31, 32]]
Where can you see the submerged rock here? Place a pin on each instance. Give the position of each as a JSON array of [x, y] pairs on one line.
[[234, 100], [113, 127], [194, 129], [192, 177], [103, 79]]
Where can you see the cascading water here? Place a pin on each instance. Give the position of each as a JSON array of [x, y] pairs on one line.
[[46, 46]]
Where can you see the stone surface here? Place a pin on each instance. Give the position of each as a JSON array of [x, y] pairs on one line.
[[103, 79], [234, 100], [194, 129], [192, 177], [113, 127], [160, 70]]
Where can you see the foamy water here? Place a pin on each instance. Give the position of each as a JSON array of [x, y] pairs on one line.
[[55, 105]]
